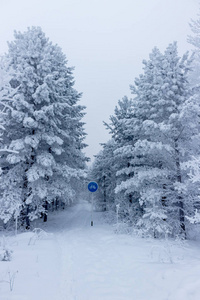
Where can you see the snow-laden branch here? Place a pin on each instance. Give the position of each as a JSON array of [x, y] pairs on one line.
[[195, 219], [6, 150]]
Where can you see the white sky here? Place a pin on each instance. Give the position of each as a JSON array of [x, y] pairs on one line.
[[106, 41]]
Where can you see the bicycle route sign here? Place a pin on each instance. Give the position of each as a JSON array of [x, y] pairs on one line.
[[92, 186]]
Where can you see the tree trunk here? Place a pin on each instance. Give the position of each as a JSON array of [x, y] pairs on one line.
[[26, 188], [52, 205], [27, 218], [25, 212], [45, 212], [163, 199], [57, 203], [104, 192], [130, 195], [180, 198]]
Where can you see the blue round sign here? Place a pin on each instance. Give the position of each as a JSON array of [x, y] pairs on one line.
[[92, 186]]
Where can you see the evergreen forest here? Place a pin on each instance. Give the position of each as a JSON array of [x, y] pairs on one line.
[[148, 172]]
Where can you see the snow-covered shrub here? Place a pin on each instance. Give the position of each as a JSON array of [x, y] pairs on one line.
[[5, 251], [38, 234], [5, 254], [123, 227]]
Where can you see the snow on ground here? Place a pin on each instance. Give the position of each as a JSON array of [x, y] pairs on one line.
[[67, 259]]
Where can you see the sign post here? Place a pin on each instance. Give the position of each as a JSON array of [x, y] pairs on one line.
[[92, 187], [117, 211]]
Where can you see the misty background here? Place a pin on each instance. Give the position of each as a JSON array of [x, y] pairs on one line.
[[105, 40]]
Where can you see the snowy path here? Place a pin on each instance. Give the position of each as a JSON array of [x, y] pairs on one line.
[[80, 262], [99, 265]]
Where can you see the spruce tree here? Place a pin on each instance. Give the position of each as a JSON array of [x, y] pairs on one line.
[[160, 142], [120, 127], [43, 124]]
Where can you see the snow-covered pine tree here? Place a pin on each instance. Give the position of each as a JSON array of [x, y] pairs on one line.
[[43, 123], [162, 142], [192, 108], [103, 171], [194, 40], [11, 199], [120, 127]]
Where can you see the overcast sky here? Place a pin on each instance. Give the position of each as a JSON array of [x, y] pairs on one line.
[[105, 40]]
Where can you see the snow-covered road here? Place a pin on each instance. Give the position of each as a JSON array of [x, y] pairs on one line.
[[80, 262], [97, 264]]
